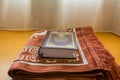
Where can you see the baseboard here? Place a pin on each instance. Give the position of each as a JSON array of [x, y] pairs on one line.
[[110, 32], [18, 29], [35, 28], [23, 29], [116, 33]]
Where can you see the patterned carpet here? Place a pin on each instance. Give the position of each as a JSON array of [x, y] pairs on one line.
[[12, 42]]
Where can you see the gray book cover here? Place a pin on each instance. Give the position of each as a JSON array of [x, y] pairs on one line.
[[59, 45], [58, 39]]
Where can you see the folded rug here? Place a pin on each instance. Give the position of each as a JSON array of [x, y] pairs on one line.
[[93, 61]]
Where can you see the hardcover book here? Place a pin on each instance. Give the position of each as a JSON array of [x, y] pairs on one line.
[[59, 45]]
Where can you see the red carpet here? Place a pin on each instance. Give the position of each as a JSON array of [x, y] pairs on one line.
[[98, 63]]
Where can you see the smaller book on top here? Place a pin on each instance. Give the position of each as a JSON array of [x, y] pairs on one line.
[[59, 45]]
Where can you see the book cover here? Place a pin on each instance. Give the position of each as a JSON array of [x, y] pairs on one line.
[[59, 45], [56, 39]]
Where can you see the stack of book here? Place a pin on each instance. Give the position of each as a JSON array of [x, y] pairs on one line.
[[60, 45]]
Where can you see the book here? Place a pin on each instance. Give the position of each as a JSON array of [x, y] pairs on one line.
[[59, 45]]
